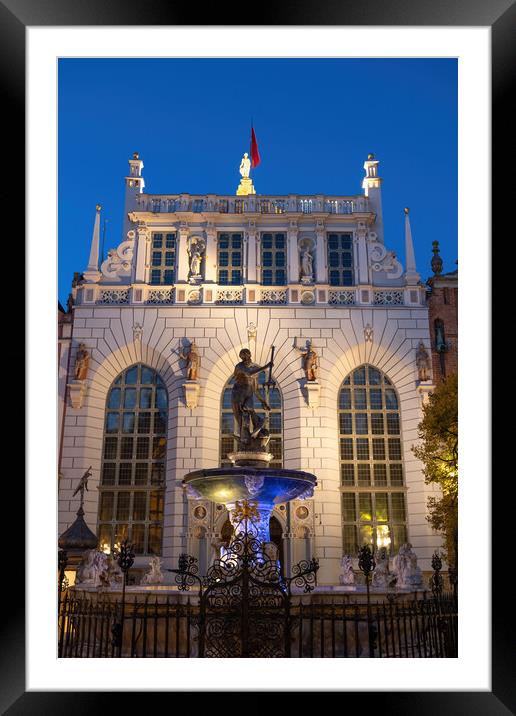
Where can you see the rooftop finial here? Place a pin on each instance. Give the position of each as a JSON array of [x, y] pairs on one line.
[[406, 210], [98, 207], [136, 155], [370, 156], [437, 262]]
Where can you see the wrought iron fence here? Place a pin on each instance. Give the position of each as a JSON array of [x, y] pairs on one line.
[[245, 607], [316, 627]]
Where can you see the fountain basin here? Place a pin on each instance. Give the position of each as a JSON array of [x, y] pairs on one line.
[[266, 485]]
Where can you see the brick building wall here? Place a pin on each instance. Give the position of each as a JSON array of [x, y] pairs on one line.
[[443, 306]]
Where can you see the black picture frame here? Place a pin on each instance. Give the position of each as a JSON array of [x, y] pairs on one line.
[[500, 15]]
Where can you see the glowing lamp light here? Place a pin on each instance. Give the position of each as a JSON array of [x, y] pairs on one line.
[[382, 536]]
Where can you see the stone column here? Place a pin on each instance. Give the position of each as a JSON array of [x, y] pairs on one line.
[[293, 252], [320, 254], [182, 253], [142, 253], [210, 267]]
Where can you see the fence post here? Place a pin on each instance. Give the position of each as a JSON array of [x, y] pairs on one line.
[[366, 563], [125, 560]]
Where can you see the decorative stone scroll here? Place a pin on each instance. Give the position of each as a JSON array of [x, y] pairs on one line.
[[382, 260], [117, 267]]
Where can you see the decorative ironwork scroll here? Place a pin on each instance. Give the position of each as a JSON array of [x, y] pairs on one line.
[[244, 598]]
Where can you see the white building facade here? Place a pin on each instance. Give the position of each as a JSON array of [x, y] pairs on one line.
[[248, 271]]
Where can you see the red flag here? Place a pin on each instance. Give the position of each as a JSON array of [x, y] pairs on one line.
[[255, 154]]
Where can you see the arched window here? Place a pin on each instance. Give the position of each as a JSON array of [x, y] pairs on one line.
[[373, 493], [272, 395], [133, 461]]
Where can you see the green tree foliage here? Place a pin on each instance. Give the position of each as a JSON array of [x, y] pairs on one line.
[[438, 452]]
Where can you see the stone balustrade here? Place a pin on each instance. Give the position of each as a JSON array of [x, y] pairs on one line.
[[257, 204]]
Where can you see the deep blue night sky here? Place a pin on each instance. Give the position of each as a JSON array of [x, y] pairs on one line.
[[315, 120]]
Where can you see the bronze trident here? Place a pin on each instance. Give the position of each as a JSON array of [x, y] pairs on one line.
[[271, 383]]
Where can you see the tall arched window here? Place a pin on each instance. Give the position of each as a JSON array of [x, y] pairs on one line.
[[373, 493], [272, 395], [133, 461]]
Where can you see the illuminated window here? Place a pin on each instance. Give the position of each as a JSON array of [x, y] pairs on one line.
[[373, 494], [229, 259], [163, 259], [274, 259], [274, 424], [132, 482], [340, 259]]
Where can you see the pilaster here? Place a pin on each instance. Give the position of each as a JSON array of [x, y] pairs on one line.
[[210, 268], [253, 243], [182, 253], [361, 249], [321, 268], [142, 253], [293, 252]]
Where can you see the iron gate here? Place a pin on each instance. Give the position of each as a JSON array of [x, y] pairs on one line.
[[244, 601]]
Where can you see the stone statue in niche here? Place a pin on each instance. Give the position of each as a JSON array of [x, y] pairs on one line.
[[245, 166], [423, 362], [82, 362], [306, 266], [310, 361], [250, 426], [196, 248], [193, 361], [347, 576], [195, 263]]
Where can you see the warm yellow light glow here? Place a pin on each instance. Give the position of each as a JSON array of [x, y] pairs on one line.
[[104, 547], [382, 536], [70, 576]]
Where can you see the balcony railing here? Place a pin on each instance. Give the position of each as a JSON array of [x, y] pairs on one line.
[[160, 204]]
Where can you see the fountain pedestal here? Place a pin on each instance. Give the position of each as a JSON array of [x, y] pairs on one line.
[[264, 486]]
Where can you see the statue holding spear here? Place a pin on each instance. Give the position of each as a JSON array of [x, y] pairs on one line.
[[249, 423]]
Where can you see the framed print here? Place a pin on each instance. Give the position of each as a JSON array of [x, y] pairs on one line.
[[299, 268]]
